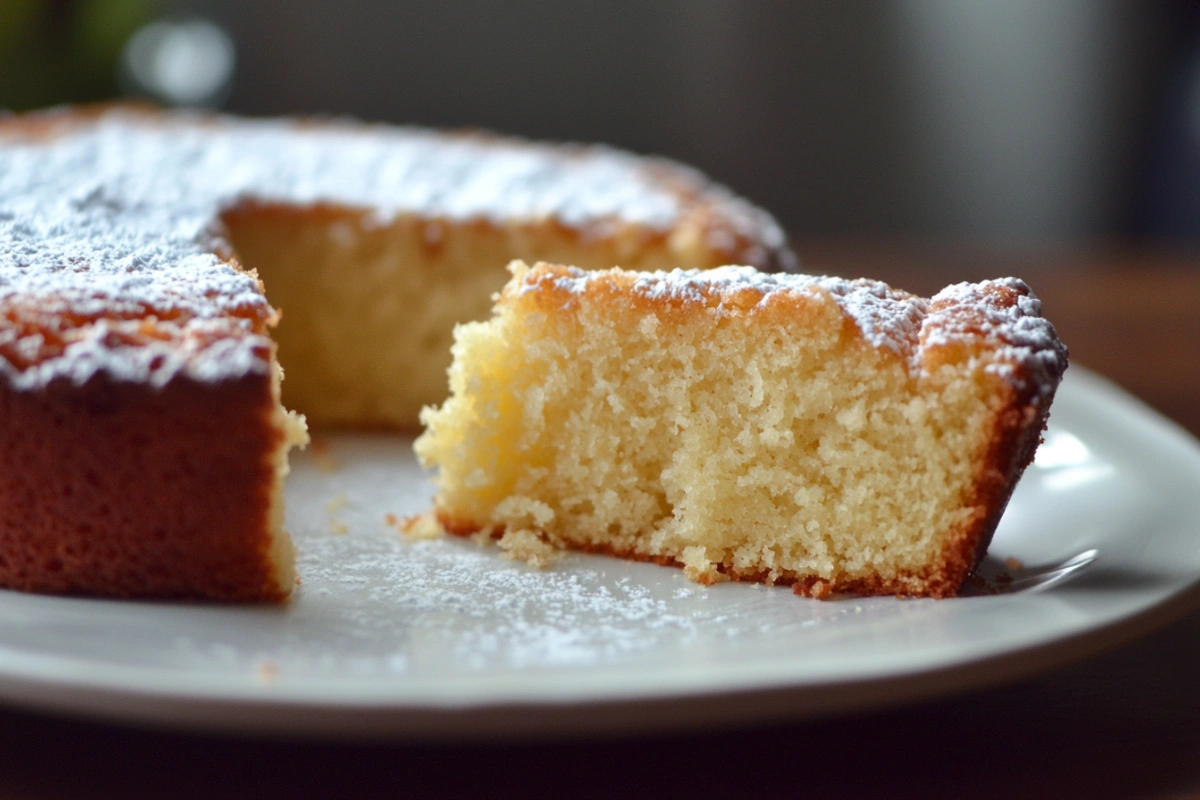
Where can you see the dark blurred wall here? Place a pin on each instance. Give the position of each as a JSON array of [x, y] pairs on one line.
[[908, 117], [792, 104], [1017, 119]]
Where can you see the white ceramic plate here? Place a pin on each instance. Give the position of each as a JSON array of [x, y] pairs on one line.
[[445, 638]]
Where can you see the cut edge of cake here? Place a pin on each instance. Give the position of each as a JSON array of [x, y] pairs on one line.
[[292, 431]]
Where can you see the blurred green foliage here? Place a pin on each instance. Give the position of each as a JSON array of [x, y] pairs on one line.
[[64, 51]]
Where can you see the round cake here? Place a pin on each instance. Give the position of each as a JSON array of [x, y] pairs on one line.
[[143, 441]]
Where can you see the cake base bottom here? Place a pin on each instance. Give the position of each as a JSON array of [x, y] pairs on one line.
[[802, 585]]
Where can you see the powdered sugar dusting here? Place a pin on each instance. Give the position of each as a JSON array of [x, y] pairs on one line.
[[1022, 345], [205, 350], [1008, 313], [121, 213], [887, 318]]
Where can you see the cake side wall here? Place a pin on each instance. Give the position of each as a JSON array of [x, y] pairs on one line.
[[1019, 361], [118, 489], [1016, 434]]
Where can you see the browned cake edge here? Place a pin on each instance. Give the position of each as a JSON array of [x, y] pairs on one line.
[[123, 490]]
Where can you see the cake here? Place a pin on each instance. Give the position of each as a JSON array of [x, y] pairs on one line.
[[143, 438], [834, 435]]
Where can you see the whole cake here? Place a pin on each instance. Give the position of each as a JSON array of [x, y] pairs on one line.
[[838, 436], [143, 442]]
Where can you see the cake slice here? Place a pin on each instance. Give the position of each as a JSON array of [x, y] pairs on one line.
[[838, 436]]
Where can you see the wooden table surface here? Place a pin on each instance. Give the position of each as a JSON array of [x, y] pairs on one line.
[[1122, 724]]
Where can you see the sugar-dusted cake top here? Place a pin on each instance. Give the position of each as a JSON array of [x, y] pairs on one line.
[[1002, 316], [119, 211]]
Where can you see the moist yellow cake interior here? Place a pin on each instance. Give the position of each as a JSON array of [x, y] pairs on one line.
[[767, 442], [368, 309]]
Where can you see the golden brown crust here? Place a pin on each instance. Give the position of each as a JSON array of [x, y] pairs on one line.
[[934, 582], [1014, 441], [121, 490], [1024, 399]]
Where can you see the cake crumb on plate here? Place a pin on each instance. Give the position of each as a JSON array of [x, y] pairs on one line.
[[415, 527], [525, 545]]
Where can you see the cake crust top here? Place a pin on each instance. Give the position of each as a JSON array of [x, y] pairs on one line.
[[998, 320], [115, 213]]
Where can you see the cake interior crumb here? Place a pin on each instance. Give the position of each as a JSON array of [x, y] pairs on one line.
[[758, 439]]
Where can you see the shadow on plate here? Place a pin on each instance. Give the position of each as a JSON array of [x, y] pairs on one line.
[[1010, 576]]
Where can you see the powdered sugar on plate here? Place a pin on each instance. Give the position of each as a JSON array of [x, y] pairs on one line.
[[454, 601]]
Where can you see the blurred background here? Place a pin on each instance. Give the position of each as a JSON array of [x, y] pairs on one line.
[[979, 120]]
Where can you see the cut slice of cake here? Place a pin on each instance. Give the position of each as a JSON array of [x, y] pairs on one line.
[[838, 436]]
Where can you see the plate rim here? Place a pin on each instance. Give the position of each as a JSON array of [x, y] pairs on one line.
[[772, 699]]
